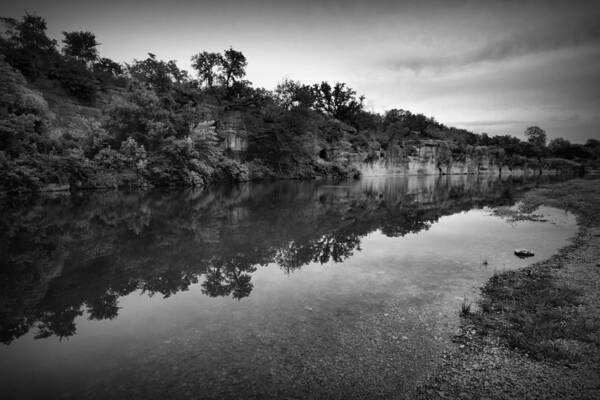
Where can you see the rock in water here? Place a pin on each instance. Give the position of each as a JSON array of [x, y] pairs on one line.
[[523, 253]]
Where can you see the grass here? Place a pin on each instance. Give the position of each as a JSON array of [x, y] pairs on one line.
[[580, 196], [531, 311], [465, 307]]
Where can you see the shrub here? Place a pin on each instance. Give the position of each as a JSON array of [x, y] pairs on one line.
[[20, 175], [74, 76], [232, 170]]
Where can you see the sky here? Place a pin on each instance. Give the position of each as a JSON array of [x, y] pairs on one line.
[[495, 67]]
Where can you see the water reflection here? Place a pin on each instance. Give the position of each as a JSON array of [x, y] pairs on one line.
[[64, 257]]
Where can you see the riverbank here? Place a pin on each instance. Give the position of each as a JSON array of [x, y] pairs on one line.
[[534, 333]]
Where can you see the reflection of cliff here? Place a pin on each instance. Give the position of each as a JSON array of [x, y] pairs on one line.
[[70, 255]]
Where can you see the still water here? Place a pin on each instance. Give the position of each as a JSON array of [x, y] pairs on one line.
[[284, 290]]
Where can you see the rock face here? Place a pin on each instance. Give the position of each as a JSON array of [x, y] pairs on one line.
[[404, 157], [232, 129], [228, 124], [435, 157]]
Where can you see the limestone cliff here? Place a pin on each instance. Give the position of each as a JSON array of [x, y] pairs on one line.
[[232, 130], [403, 157], [437, 157]]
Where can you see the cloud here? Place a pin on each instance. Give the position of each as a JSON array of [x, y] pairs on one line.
[[536, 39], [497, 122]]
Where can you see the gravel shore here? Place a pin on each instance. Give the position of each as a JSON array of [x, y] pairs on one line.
[[541, 345]]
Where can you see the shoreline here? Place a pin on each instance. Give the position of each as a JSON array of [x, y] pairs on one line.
[[66, 188], [536, 331]]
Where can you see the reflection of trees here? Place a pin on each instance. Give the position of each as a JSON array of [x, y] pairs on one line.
[[335, 246], [228, 278], [69, 256]]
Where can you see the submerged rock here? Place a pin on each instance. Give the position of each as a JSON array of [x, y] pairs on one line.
[[523, 253]]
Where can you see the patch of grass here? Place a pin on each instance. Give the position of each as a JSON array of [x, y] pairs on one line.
[[578, 196], [465, 307], [524, 213], [530, 310]]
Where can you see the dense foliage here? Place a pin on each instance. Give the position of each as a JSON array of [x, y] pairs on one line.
[[71, 118]]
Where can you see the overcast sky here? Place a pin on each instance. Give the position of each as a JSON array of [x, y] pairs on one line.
[[493, 67]]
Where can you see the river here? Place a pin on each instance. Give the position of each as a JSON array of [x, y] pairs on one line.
[[271, 290]]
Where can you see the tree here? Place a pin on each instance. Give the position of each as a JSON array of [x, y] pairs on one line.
[[338, 101], [293, 94], [536, 136], [81, 45], [208, 66], [109, 72], [234, 67], [26, 45], [593, 145], [558, 145], [108, 66], [160, 75], [227, 69]]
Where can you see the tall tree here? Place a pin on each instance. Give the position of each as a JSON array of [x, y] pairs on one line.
[[234, 67], [208, 66], [26, 45], [338, 101]]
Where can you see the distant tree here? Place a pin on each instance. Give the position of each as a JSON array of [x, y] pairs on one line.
[[293, 94], [233, 67], [338, 101], [485, 139], [108, 72], [26, 46], [208, 65], [560, 147], [109, 66], [559, 144], [394, 116], [178, 75], [160, 75], [536, 136], [81, 45], [227, 70], [593, 145]]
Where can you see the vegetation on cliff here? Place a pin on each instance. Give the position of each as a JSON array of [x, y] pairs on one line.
[[70, 118]]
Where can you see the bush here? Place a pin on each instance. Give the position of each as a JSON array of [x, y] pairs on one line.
[[232, 170], [258, 171], [74, 76], [20, 175], [134, 155], [110, 159], [20, 134]]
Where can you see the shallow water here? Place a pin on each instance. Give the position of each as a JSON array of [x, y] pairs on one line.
[[261, 290]]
